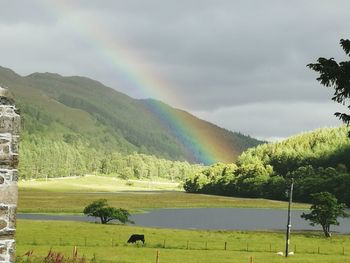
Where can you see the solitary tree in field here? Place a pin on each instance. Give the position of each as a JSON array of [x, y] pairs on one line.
[[325, 211], [100, 208], [337, 76]]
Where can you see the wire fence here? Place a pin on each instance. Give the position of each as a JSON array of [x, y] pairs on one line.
[[230, 245]]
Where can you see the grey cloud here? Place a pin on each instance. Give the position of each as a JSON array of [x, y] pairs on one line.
[[26, 12], [236, 46], [275, 120], [214, 55]]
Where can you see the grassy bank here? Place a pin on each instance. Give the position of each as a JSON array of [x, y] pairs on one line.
[[108, 243], [71, 195]]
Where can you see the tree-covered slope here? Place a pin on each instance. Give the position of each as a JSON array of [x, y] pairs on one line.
[[78, 109], [325, 147], [318, 161]]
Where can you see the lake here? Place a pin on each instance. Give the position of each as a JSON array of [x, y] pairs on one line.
[[212, 218]]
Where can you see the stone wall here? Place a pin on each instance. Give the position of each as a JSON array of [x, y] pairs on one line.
[[9, 139]]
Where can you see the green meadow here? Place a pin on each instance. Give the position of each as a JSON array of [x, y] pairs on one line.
[[107, 243], [92, 183], [71, 195]]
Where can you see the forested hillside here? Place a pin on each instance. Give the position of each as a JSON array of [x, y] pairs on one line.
[[80, 125], [318, 161], [42, 157], [81, 108]]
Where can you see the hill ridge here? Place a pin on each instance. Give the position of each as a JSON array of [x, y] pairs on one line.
[[110, 120]]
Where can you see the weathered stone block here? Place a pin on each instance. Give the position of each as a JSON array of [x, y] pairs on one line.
[[3, 224], [8, 194], [7, 250], [12, 217], [9, 120], [7, 220], [8, 176], [5, 146], [5, 143], [14, 175], [15, 144], [8, 150], [3, 210]]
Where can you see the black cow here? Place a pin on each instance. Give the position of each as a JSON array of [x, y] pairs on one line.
[[135, 237]]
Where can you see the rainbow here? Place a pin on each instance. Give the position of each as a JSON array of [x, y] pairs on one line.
[[127, 63]]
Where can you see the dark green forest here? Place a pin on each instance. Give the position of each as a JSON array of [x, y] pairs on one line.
[[47, 158], [318, 161], [76, 125], [58, 107]]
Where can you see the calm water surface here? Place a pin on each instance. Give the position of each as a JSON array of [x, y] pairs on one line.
[[212, 218]]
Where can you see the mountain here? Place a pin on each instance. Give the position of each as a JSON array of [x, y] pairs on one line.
[[317, 161], [71, 109]]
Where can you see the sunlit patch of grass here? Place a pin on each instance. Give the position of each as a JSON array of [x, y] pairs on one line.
[[93, 183], [72, 195]]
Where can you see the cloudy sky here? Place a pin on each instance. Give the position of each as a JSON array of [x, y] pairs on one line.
[[239, 64]]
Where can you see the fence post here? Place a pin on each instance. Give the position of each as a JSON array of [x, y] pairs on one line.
[[343, 251], [247, 247], [187, 244], [157, 257], [206, 245], [85, 241], [318, 250], [251, 259], [295, 248], [225, 245], [164, 244]]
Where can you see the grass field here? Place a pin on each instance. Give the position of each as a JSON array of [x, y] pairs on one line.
[[93, 183], [71, 195], [108, 244]]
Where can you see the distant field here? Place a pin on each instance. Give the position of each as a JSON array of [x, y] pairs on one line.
[[71, 195], [108, 243], [93, 183]]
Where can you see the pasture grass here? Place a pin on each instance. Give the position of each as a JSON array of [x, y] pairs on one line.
[[71, 195], [108, 243], [93, 183]]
